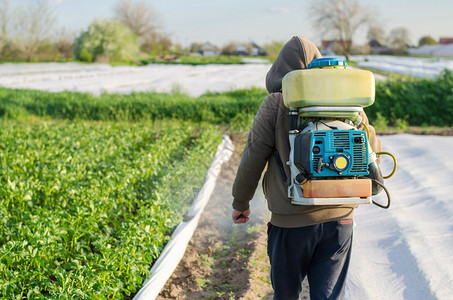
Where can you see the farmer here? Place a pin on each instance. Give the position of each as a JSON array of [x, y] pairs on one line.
[[313, 241]]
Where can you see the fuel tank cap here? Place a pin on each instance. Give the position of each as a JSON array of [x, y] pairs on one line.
[[327, 62]]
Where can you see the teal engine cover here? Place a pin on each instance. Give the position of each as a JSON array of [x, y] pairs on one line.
[[332, 153]]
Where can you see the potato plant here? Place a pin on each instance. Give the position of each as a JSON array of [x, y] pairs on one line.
[[86, 207]]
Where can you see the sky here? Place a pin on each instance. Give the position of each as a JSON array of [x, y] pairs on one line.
[[261, 21]]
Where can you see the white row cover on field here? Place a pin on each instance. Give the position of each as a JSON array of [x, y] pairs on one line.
[[192, 80], [414, 66], [174, 250], [405, 252], [434, 50], [99, 78]]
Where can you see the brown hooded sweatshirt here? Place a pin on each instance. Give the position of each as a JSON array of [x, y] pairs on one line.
[[268, 138]]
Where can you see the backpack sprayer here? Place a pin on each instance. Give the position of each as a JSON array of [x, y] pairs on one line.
[[331, 160]]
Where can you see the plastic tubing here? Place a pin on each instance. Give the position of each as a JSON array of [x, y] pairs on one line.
[[395, 165], [367, 130], [388, 196]]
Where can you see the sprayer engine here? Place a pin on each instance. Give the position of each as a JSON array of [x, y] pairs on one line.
[[332, 153], [329, 163]]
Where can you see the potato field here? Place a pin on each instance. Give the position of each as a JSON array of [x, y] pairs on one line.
[[86, 206]]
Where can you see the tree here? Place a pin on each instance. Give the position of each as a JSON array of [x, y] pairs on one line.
[[4, 20], [33, 27], [427, 40], [377, 34], [108, 41], [141, 18], [7, 17], [342, 18], [399, 38], [156, 44], [273, 49], [229, 48], [64, 42], [138, 16], [195, 47]]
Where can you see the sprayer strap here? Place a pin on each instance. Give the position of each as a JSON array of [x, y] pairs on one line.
[[280, 166]]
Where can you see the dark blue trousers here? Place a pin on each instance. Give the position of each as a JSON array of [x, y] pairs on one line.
[[321, 252]]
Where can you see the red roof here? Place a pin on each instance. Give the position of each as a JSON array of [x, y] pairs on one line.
[[445, 41], [326, 43]]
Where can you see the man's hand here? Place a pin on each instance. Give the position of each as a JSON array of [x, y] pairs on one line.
[[240, 217]]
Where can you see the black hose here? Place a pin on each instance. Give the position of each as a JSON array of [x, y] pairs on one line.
[[386, 191]]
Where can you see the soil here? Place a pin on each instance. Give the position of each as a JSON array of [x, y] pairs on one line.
[[224, 260]]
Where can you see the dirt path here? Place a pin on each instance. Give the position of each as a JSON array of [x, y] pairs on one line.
[[224, 260]]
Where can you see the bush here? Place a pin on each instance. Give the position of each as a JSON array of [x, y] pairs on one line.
[[107, 39], [218, 108], [415, 102]]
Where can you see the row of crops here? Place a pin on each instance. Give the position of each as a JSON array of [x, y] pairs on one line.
[[422, 102], [85, 208], [230, 108], [87, 202]]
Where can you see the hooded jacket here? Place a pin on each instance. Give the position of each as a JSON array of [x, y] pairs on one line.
[[268, 144]]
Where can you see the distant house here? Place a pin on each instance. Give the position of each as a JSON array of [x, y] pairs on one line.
[[329, 46], [446, 40], [377, 48], [208, 49], [241, 50], [251, 49], [256, 50]]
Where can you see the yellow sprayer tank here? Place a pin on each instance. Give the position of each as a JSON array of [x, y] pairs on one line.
[[327, 82]]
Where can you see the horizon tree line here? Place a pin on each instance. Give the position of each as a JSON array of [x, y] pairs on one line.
[[28, 32]]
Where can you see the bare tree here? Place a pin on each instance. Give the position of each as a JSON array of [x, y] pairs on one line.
[[4, 17], [230, 48], [155, 44], [63, 40], [34, 26], [399, 38], [138, 16], [342, 18], [376, 33], [5, 23]]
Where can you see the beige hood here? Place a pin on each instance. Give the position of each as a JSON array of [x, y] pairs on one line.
[[296, 54]]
